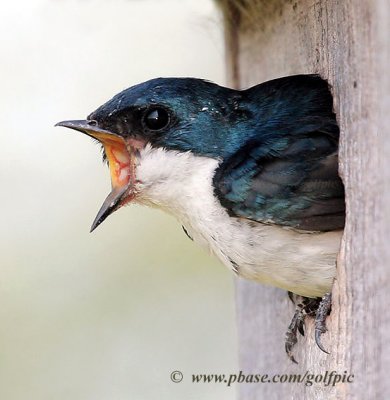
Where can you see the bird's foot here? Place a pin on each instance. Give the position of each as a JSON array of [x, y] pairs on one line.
[[318, 308]]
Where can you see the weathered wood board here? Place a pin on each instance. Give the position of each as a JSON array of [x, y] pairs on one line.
[[346, 42]]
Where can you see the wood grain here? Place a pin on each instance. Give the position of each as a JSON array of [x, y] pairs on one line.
[[347, 42]]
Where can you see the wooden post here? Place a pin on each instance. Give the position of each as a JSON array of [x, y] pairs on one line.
[[346, 42]]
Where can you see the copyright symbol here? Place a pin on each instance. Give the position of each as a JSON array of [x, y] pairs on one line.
[[176, 376]]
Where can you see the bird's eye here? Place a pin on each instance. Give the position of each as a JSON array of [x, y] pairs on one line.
[[156, 119]]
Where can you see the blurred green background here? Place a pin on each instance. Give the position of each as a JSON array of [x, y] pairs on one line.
[[107, 315]]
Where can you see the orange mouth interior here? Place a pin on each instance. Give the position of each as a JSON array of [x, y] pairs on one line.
[[120, 159]]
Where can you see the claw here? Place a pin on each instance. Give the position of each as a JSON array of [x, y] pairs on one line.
[[317, 335], [291, 356], [320, 320]]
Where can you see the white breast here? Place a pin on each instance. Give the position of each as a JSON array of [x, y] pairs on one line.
[[181, 184]]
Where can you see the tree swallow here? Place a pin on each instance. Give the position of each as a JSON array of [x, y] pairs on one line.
[[252, 175]]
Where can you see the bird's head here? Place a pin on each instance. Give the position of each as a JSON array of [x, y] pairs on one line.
[[182, 114], [241, 132]]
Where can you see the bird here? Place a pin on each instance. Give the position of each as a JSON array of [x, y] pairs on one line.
[[250, 174]]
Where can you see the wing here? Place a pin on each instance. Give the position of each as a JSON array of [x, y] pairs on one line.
[[286, 171], [293, 182]]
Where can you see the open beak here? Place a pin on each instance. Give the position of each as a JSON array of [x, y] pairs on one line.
[[121, 160]]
